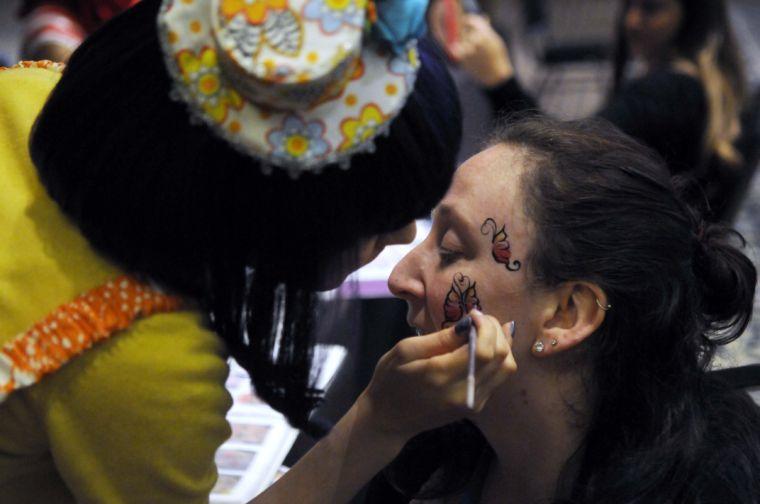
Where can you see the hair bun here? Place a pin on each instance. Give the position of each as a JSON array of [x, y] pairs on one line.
[[727, 278]]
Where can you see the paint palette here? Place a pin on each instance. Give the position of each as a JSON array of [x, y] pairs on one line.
[[251, 459]]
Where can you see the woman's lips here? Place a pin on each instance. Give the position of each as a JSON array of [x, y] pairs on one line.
[[412, 318], [421, 324]]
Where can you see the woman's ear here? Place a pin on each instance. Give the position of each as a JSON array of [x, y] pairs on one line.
[[575, 311]]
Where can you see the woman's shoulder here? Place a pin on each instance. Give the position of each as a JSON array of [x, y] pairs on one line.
[[164, 355], [669, 81], [664, 96], [143, 411]]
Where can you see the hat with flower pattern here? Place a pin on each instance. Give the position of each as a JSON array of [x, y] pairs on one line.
[[296, 84]]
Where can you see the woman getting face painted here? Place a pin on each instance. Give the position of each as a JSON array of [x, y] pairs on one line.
[[472, 256], [578, 234]]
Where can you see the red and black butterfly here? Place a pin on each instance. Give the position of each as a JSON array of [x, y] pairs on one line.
[[462, 298], [500, 246]]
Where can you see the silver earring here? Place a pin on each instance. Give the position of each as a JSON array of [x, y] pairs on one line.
[[605, 308], [538, 346], [554, 342]]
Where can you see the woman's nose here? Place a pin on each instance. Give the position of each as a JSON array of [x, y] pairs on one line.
[[401, 236], [406, 281]]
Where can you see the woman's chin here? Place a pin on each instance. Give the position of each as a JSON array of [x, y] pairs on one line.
[[421, 328]]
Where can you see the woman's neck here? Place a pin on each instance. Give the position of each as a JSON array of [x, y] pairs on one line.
[[533, 433], [659, 60]]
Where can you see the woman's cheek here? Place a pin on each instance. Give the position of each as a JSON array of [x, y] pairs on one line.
[[459, 296]]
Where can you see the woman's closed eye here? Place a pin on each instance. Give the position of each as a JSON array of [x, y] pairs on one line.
[[448, 256], [451, 247]]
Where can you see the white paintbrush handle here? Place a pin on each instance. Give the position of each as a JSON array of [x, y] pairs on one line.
[[472, 347]]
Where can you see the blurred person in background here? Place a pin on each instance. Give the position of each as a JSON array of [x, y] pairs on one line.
[[54, 28], [678, 84]]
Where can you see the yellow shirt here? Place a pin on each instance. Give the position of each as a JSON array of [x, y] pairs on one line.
[[136, 418]]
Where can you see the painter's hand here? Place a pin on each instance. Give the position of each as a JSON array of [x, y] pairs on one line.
[[420, 383]]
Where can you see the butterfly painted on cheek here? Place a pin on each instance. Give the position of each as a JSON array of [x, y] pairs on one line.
[[500, 250], [461, 298]]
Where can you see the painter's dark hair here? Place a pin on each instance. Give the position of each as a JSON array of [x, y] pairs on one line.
[[660, 427], [169, 200]]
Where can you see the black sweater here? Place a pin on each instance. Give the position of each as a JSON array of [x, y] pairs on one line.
[[665, 110]]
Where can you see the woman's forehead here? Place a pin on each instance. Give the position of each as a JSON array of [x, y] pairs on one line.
[[488, 181]]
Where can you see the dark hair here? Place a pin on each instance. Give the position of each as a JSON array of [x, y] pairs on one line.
[[169, 200], [705, 39], [660, 427]]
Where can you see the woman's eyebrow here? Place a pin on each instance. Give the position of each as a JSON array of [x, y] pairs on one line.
[[457, 220]]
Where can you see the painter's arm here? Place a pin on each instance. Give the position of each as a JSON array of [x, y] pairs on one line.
[[417, 385]]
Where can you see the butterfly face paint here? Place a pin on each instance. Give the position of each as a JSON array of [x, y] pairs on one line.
[[499, 245], [462, 298]]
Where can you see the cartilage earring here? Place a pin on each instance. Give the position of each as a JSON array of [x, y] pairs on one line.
[[599, 304], [538, 346], [554, 342]]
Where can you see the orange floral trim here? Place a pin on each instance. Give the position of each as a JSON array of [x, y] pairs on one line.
[[357, 130], [46, 64], [255, 11], [74, 327]]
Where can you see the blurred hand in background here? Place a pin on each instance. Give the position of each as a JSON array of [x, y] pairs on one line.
[[471, 42]]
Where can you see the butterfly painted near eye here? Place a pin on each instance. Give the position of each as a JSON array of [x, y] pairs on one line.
[[462, 298], [500, 246]]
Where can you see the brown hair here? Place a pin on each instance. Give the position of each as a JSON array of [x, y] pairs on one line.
[[706, 40]]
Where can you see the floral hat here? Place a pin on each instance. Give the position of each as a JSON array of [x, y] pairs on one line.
[[296, 84]]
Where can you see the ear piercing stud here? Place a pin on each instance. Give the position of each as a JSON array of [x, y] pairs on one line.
[[539, 346]]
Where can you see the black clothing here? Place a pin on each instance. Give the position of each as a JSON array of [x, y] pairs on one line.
[[668, 111], [665, 110]]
